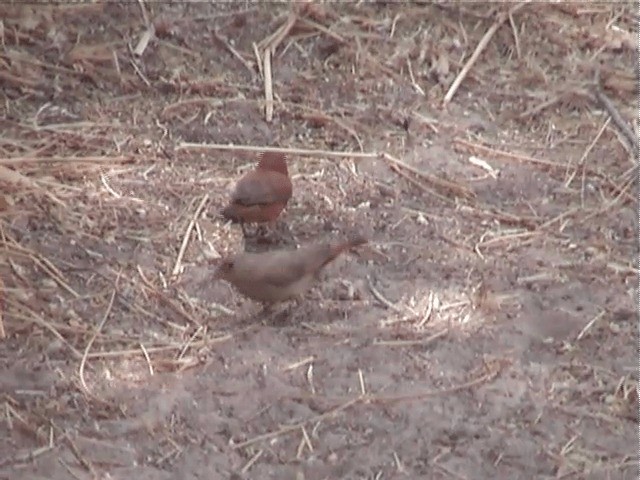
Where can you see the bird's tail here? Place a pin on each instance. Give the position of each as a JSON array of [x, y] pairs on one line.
[[229, 213], [338, 247]]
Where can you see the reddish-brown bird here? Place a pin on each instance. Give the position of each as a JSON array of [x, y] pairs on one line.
[[261, 194], [280, 275]]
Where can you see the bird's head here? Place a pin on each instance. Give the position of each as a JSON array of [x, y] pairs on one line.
[[274, 161]]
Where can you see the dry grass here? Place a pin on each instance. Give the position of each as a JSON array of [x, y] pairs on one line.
[[105, 187]]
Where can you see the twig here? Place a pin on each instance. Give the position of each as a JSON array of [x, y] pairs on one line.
[[46, 266], [316, 115], [217, 16], [312, 387], [92, 339], [433, 393], [3, 334], [187, 235], [420, 185], [436, 181], [166, 300], [292, 428], [503, 155], [83, 461], [189, 341], [251, 461], [376, 293], [323, 29], [92, 159], [28, 456], [508, 237], [256, 52], [479, 49], [364, 399], [608, 105], [132, 61], [288, 151], [408, 343], [612, 203], [586, 328], [586, 153], [449, 471], [416, 87], [143, 10], [147, 358], [105, 184], [35, 318], [300, 363], [226, 44], [268, 87], [363, 388], [427, 314], [11, 176], [145, 38], [166, 348], [69, 469], [516, 39], [273, 41]]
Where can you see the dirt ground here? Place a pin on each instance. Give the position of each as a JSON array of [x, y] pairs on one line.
[[490, 330]]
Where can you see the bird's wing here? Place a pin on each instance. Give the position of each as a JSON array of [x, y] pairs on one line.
[[260, 188], [283, 268]]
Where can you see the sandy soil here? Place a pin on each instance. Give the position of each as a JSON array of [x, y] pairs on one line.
[[490, 331]]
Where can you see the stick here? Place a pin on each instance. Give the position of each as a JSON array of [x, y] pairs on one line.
[[420, 185], [256, 52], [296, 426], [280, 34], [143, 10], [288, 151], [589, 325], [479, 49], [407, 343], [366, 399], [586, 153], [608, 105], [3, 334], [381, 298], [11, 176], [143, 43], [187, 234], [95, 334], [147, 358], [268, 87], [233, 51], [19, 160], [35, 318], [328, 32], [457, 189]]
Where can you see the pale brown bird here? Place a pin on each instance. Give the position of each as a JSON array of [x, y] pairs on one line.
[[277, 276], [261, 194]]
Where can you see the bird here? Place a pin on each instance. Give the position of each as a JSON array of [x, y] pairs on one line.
[[279, 275], [262, 193]]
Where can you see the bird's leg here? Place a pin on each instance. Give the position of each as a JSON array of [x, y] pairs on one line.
[[288, 233], [262, 230], [267, 313], [271, 313], [266, 309], [273, 233], [266, 234], [245, 231]]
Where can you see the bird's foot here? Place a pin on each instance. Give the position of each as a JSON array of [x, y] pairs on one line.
[[276, 316]]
